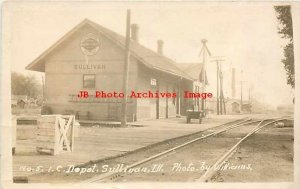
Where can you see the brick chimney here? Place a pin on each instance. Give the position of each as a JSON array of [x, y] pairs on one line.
[[160, 45], [135, 32]]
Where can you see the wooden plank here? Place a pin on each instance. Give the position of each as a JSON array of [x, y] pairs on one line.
[[45, 121], [20, 179], [14, 131], [46, 129], [45, 138], [46, 125], [47, 145], [46, 150], [72, 133], [67, 116], [47, 118], [45, 132], [27, 122], [46, 142]]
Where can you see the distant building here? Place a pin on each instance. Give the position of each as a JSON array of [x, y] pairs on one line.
[[91, 58], [234, 107], [289, 108], [247, 108]]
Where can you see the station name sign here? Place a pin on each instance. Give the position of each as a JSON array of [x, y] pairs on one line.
[[89, 67]]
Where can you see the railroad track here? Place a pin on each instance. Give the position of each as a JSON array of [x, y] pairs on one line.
[[207, 176], [111, 176]]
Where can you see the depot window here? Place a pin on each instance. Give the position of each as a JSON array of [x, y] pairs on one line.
[[89, 80], [153, 82]]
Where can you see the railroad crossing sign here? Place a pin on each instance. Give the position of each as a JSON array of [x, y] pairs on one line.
[[55, 134], [63, 127]]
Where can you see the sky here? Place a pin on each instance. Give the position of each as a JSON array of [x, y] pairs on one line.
[[245, 35]]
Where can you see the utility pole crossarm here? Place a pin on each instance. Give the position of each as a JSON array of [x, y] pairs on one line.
[[204, 51]]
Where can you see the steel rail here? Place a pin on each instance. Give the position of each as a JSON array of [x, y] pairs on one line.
[[111, 174], [212, 170]]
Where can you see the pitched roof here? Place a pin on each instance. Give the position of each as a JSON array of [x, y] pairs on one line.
[[192, 69], [146, 56]]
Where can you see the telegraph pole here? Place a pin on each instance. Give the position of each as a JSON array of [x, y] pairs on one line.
[[203, 72], [221, 91], [126, 70], [204, 51], [218, 70], [241, 95], [43, 89], [222, 94], [232, 83], [219, 82], [241, 90], [249, 95]]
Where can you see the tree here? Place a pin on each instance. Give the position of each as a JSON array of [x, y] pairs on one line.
[[25, 85], [285, 29]]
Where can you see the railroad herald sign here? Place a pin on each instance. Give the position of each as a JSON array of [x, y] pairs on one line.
[[90, 44]]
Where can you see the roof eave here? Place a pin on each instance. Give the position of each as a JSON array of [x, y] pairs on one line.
[[34, 66], [172, 73], [45, 53]]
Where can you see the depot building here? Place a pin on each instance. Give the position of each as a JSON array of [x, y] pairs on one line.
[[91, 58]]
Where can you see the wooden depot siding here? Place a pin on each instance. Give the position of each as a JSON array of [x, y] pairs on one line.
[[63, 79], [147, 107], [65, 65]]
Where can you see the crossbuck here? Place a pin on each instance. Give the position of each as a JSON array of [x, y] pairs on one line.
[[64, 139]]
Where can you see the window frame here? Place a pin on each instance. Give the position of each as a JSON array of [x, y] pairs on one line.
[[153, 82], [83, 81]]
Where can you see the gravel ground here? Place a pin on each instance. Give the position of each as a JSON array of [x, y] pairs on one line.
[[265, 156], [271, 154], [189, 163]]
